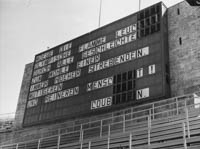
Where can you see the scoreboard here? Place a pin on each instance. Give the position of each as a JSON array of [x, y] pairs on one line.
[[124, 63]]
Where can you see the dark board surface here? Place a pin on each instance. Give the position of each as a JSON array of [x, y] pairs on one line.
[[121, 64]]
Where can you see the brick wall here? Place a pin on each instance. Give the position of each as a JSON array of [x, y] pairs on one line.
[[184, 57]]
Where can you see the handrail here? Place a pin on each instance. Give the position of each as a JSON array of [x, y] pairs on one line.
[[78, 131], [140, 117]]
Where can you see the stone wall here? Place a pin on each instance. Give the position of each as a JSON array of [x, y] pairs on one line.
[[23, 96], [184, 48]]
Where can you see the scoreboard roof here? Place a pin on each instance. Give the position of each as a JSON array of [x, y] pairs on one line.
[[121, 64]]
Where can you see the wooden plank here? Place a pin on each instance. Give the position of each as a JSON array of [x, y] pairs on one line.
[[167, 143], [195, 132], [119, 138], [70, 146], [165, 128], [165, 132], [140, 147], [194, 147], [140, 142], [194, 139], [166, 137], [194, 121], [120, 144]]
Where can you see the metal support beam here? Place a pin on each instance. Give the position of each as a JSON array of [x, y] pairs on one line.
[[187, 122], [17, 146], [89, 145], [38, 147], [101, 129], [108, 137], [184, 136], [58, 143], [130, 141], [149, 130]]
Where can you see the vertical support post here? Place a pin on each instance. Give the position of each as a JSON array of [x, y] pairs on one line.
[[108, 136], [58, 143], [184, 136], [187, 122], [17, 146], [38, 144], [130, 141], [153, 110], [81, 136], [89, 145], [101, 129], [149, 130], [81, 133], [176, 106], [124, 124]]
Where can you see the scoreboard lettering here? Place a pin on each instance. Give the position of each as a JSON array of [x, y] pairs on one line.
[[32, 103], [58, 71], [45, 91], [127, 30], [142, 93], [44, 56], [88, 61], [118, 64], [119, 59], [100, 103], [62, 94], [68, 76], [100, 84], [110, 45]]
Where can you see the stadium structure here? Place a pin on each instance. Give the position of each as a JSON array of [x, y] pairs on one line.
[[131, 84]]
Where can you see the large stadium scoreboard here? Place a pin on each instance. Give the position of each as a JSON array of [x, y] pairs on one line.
[[121, 64]]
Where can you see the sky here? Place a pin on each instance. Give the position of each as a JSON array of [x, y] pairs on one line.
[[28, 27]]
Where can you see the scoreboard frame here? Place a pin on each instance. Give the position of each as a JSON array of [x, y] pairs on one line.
[[122, 64]]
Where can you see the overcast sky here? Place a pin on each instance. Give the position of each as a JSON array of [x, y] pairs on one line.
[[28, 27]]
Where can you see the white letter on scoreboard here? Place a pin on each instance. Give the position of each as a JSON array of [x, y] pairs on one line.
[[152, 69], [143, 93], [100, 103], [139, 72]]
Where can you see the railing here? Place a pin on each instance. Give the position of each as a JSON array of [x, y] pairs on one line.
[[131, 120]]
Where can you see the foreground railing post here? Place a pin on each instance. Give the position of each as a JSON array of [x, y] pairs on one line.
[[58, 143], [17, 146], [184, 136], [176, 106], [130, 141], [89, 145], [81, 130], [109, 136], [81, 136], [153, 110], [187, 121], [101, 128], [149, 130], [38, 144]]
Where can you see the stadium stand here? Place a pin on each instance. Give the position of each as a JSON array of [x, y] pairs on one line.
[[140, 127]]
